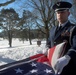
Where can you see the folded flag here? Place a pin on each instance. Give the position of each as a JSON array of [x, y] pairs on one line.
[[39, 64], [56, 52]]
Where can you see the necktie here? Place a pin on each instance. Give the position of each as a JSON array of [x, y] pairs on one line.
[[59, 28]]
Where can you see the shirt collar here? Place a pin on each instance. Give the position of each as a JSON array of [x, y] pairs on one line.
[[63, 24]]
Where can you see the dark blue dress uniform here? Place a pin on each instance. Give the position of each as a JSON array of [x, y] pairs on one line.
[[66, 33]]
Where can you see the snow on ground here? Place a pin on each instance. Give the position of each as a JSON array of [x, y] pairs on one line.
[[19, 50]]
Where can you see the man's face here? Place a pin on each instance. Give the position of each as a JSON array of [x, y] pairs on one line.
[[62, 16]]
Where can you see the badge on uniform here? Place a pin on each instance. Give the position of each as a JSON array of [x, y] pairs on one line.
[[65, 33]]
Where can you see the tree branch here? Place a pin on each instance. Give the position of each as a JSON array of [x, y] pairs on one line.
[[6, 3]]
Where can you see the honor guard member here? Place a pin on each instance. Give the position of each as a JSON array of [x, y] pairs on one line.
[[66, 65]]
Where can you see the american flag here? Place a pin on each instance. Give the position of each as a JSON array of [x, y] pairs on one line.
[[35, 65], [39, 64]]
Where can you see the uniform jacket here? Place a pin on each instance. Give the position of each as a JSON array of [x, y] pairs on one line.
[[64, 34], [67, 33]]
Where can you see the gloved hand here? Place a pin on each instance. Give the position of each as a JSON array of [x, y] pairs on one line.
[[61, 63]]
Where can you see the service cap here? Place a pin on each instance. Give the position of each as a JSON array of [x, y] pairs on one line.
[[61, 6]]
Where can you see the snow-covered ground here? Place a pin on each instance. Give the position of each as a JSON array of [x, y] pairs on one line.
[[19, 50]]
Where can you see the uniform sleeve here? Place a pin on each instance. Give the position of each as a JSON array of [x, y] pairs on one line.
[[48, 43], [72, 50]]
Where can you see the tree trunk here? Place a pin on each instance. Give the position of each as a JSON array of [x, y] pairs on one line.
[[30, 37], [47, 31], [10, 38]]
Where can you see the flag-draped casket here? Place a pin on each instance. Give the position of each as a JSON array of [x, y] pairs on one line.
[[39, 64]]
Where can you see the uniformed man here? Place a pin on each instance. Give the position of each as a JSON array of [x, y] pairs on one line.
[[66, 65]]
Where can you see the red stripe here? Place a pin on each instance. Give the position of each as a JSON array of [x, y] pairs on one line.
[[51, 51], [43, 59], [36, 56]]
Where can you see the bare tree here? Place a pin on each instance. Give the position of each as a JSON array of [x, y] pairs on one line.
[[27, 22], [44, 13]]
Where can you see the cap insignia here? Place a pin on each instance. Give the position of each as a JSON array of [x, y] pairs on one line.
[[58, 4]]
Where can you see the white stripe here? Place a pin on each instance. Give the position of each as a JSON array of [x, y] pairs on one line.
[[57, 53], [61, 8]]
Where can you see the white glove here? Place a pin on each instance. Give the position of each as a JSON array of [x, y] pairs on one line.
[[61, 63]]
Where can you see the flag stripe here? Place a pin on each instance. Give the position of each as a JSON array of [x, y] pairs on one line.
[[64, 47], [50, 53], [36, 56]]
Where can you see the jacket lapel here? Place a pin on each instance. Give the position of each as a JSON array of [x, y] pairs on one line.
[[60, 31]]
